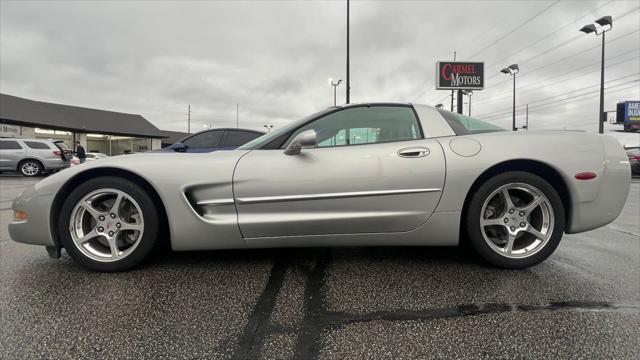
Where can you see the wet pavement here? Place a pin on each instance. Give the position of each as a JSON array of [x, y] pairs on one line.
[[326, 303]]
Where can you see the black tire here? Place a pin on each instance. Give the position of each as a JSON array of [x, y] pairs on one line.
[[22, 166], [149, 212], [474, 211]]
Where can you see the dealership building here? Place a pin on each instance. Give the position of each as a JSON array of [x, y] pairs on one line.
[[107, 132]]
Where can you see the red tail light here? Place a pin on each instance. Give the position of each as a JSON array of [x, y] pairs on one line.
[[57, 153], [587, 175]]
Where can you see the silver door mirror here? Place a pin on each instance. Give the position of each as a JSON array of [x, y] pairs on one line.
[[305, 139]]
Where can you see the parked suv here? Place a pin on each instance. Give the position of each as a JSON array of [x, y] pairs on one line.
[[31, 157]]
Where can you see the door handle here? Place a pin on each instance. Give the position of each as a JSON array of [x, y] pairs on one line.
[[413, 152]]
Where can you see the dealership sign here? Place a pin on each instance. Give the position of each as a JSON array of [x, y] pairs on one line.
[[451, 75], [632, 111]]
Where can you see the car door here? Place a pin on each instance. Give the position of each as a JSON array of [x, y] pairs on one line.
[[11, 153], [371, 172], [205, 141]]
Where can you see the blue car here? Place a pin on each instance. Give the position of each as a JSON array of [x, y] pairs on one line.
[[213, 140]]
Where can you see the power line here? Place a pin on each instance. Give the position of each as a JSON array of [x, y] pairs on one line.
[[545, 52], [572, 56], [495, 42], [579, 18], [586, 97], [439, 101], [560, 102], [515, 29], [578, 36], [505, 112], [508, 110], [581, 97], [568, 92], [563, 77]]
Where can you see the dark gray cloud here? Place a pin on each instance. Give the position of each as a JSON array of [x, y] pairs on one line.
[[274, 58]]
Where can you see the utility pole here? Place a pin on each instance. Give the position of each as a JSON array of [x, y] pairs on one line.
[[189, 120], [348, 78], [526, 118], [237, 117], [454, 60]]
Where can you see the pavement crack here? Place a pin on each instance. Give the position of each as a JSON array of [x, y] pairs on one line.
[[307, 346], [255, 332], [339, 319]]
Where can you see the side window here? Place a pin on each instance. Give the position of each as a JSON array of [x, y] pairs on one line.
[[9, 145], [36, 145], [208, 139], [365, 125], [239, 137], [463, 125]]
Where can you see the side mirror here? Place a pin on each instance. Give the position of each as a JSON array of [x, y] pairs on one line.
[[305, 139], [179, 147]]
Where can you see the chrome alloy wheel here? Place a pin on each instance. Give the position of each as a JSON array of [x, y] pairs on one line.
[[30, 168], [516, 220], [106, 225]]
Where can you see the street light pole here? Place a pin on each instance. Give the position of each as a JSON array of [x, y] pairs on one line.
[[602, 114], [468, 92], [189, 120], [512, 69], [605, 24], [348, 78], [514, 103], [335, 86]]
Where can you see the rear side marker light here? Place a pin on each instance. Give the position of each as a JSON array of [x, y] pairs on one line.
[[587, 175], [20, 215]]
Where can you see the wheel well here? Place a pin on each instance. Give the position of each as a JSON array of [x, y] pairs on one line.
[[30, 159], [78, 179], [551, 175]]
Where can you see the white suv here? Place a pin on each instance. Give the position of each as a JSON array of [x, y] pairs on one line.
[[31, 157]]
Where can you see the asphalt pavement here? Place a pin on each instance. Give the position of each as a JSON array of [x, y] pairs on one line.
[[326, 303]]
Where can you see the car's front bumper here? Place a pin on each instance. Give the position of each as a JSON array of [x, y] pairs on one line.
[[36, 229]]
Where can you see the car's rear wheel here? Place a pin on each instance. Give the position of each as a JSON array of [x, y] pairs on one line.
[[515, 220], [30, 168], [109, 224]]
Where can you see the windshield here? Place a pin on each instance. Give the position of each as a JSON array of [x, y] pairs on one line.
[[463, 125], [268, 137]]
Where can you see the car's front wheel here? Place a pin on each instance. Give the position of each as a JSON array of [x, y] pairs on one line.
[[515, 220], [108, 224]]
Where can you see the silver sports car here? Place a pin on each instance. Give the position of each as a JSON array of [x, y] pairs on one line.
[[355, 175]]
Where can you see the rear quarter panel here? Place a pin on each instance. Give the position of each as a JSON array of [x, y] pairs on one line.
[[566, 152]]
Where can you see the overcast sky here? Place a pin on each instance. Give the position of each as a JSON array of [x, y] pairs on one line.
[[274, 58]]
